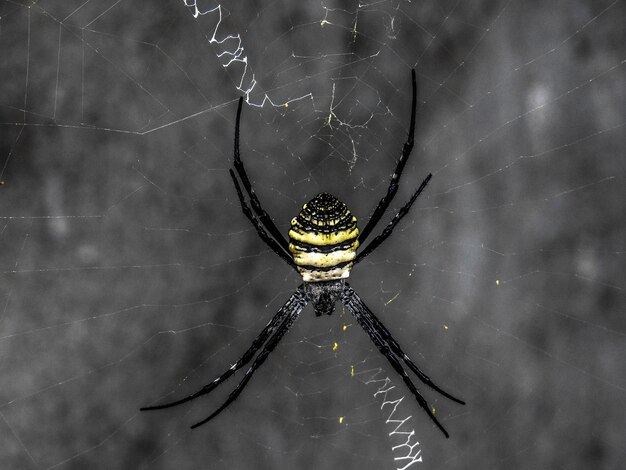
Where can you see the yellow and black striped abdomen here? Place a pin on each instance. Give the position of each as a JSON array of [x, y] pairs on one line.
[[323, 239]]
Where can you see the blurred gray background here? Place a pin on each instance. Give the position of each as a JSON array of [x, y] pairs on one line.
[[128, 274]]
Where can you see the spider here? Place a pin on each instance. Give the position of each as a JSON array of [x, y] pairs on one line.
[[322, 248]]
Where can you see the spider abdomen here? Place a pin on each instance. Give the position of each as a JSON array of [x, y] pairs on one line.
[[323, 239]]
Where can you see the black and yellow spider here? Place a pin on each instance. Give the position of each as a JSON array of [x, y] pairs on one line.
[[322, 247]]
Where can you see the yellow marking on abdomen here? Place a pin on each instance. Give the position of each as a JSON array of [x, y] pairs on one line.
[[324, 239], [300, 234]]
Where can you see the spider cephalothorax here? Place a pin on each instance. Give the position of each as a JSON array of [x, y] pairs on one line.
[[323, 239], [323, 295], [322, 248]]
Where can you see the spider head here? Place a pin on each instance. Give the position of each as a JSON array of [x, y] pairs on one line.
[[323, 295], [323, 239]]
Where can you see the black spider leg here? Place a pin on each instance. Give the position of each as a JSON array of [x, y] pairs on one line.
[[273, 244], [383, 204], [263, 216], [270, 328], [359, 310], [397, 350], [291, 317], [389, 228]]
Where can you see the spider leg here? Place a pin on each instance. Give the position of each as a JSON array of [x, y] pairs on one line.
[[263, 216], [383, 204], [359, 310], [273, 244], [260, 359], [292, 304], [389, 228], [397, 350]]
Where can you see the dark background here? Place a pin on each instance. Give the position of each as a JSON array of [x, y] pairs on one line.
[[128, 273]]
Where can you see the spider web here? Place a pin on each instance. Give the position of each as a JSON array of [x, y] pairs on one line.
[[128, 274]]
